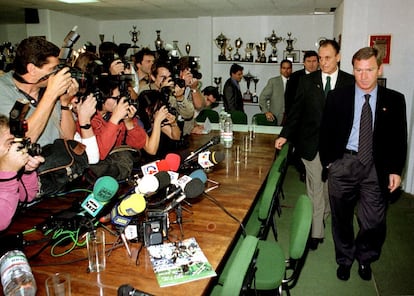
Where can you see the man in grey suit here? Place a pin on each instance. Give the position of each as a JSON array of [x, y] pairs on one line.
[[272, 97], [303, 124]]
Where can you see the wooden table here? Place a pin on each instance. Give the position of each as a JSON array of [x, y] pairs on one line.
[[213, 229]]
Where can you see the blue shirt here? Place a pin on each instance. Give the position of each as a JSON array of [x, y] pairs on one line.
[[353, 141]]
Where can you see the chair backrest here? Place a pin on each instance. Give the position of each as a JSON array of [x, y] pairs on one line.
[[212, 115], [261, 120], [300, 227], [242, 265], [238, 117]]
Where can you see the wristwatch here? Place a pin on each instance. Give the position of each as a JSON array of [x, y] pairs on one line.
[[68, 107], [86, 126]]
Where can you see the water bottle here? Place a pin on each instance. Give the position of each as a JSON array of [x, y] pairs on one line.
[[222, 118], [16, 275], [228, 132]]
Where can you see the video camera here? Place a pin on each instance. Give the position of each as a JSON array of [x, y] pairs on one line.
[[18, 126]]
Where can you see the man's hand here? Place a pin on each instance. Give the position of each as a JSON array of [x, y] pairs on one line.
[[14, 159], [269, 116], [86, 109], [395, 182], [279, 142], [59, 83], [33, 163]]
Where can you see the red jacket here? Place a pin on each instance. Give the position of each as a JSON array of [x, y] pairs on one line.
[[109, 135]]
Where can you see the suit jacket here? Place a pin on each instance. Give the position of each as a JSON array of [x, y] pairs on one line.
[[291, 87], [275, 93], [389, 134], [232, 97], [304, 119]]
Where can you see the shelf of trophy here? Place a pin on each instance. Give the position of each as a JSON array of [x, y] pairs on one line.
[[229, 62]]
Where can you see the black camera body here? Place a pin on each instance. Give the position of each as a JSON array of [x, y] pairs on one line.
[[18, 126]]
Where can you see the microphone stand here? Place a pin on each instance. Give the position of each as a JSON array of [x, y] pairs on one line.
[[179, 219]]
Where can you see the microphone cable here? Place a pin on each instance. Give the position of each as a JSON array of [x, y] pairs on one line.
[[217, 203]]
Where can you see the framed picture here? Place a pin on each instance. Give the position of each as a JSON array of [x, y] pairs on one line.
[[293, 56], [383, 44]]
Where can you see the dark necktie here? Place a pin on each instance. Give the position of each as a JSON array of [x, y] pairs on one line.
[[327, 85], [365, 133]]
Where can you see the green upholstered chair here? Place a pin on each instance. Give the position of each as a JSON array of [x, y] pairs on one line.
[[238, 117], [281, 163], [241, 270], [212, 115], [260, 119], [276, 273]]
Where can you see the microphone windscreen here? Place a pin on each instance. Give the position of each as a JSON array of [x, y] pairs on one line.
[[194, 188], [132, 205], [164, 179], [199, 174], [173, 161], [105, 188], [217, 157], [147, 184], [163, 165]]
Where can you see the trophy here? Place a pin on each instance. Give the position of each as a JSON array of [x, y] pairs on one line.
[[159, 43], [102, 37], [238, 43], [273, 40], [221, 42], [175, 52], [188, 48], [134, 34], [230, 49], [290, 42], [247, 96], [255, 98], [217, 82], [261, 50], [249, 55]]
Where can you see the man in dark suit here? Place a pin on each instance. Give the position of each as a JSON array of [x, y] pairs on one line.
[[362, 170], [310, 64], [303, 123], [232, 96]]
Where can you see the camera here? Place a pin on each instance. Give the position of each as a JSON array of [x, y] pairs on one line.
[[18, 127]]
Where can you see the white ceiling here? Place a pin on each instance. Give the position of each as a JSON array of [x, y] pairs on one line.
[[12, 11]]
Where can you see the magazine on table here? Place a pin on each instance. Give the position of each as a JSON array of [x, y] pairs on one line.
[[179, 262]]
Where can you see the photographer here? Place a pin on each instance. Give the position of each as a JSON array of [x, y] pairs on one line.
[[15, 186], [114, 63], [115, 125], [173, 89], [36, 77], [159, 123]]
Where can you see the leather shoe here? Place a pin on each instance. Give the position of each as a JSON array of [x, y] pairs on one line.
[[343, 272], [314, 242], [365, 271]]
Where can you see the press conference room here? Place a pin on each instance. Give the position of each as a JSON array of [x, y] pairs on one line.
[[220, 216]]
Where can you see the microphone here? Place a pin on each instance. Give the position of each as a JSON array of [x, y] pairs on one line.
[[170, 163], [208, 159], [132, 205], [199, 174], [128, 290], [192, 189], [173, 161], [104, 189], [151, 183], [214, 141]]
